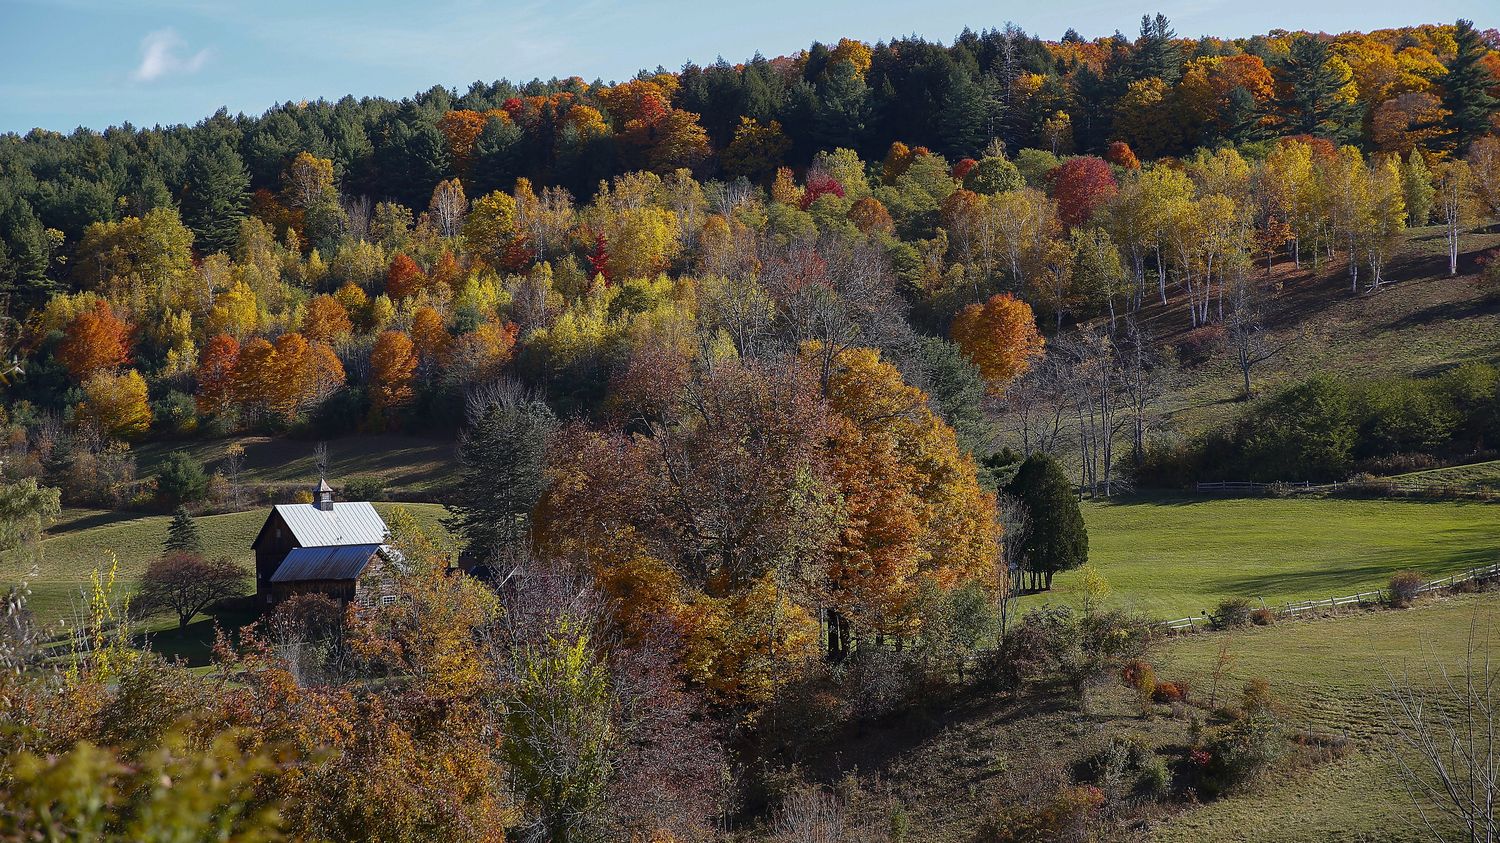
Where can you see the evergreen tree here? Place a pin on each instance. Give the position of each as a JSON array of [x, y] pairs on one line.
[[496, 157], [1058, 541], [1465, 89], [217, 192], [182, 534], [1313, 106], [501, 463], [1155, 53]]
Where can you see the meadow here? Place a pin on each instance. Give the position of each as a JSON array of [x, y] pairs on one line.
[[1332, 676], [1176, 556]]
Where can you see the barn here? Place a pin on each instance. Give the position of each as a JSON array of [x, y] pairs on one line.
[[336, 548]]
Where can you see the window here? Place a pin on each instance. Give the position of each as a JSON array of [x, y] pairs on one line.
[[387, 599]]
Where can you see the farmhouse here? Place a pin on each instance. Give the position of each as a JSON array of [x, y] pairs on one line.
[[323, 547]]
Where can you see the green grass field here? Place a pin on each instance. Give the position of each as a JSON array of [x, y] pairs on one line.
[[83, 540], [1177, 557], [1476, 477], [407, 464], [1332, 675]]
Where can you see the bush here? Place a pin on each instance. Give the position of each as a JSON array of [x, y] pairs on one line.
[[1405, 586], [1263, 617], [1233, 613], [1235, 754], [1170, 692], [1199, 345], [1065, 817], [1141, 677], [363, 488], [1127, 767], [181, 479]]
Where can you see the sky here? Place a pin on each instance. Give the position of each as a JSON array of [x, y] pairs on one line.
[[97, 63]]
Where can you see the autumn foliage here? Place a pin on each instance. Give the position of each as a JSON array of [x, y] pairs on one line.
[[95, 340], [1000, 336]]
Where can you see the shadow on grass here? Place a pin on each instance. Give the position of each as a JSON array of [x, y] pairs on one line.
[[93, 519], [1347, 580], [194, 643]]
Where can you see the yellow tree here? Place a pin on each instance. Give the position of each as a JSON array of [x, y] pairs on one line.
[[491, 226], [115, 405], [235, 312]]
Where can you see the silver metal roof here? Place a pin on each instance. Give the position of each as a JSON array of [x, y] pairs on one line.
[[348, 523], [344, 562]]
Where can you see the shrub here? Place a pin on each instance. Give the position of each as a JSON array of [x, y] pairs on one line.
[[1405, 586], [1237, 753], [181, 479], [1065, 817], [363, 488], [1141, 677], [1199, 345], [1170, 692], [1233, 613], [1263, 617], [1126, 767]]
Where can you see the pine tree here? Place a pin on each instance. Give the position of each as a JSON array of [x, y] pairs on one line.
[[218, 191], [1314, 106], [501, 477], [1465, 86], [182, 534], [1058, 541], [1155, 54]]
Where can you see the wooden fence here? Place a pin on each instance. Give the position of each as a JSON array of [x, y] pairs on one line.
[[1379, 484], [1364, 598]]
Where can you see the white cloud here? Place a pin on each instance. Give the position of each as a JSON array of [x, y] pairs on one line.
[[162, 54]]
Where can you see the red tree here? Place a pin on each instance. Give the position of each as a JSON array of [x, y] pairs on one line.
[[599, 259], [1121, 154], [216, 373], [820, 184], [1081, 186], [404, 278]]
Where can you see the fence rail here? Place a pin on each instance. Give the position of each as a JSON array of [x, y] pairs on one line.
[[1363, 598]]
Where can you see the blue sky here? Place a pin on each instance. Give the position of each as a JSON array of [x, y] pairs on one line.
[[65, 63]]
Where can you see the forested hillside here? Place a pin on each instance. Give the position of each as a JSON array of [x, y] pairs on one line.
[[755, 394]]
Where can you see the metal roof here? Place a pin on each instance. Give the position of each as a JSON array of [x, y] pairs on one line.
[[348, 523], [344, 562]]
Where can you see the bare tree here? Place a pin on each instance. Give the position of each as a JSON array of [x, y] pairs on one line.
[[1143, 377], [187, 584], [1038, 402], [234, 466], [838, 294], [357, 217], [1015, 522], [1447, 743], [1094, 384], [1247, 335]]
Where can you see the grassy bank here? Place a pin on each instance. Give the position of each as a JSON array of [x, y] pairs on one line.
[[1178, 556]]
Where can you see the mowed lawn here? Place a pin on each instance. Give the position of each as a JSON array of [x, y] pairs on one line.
[[1332, 675], [1177, 557], [82, 540]]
